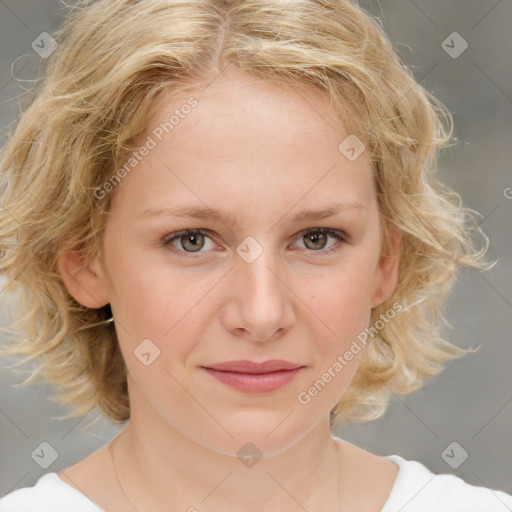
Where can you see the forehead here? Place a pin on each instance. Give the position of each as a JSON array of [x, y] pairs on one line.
[[238, 109], [245, 140]]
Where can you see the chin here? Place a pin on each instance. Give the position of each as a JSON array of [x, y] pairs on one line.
[[258, 433]]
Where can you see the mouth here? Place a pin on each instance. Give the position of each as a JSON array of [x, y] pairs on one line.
[[251, 377]]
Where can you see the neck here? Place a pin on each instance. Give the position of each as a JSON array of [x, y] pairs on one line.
[[151, 454]]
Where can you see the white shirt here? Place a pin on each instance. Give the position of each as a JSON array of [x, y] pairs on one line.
[[416, 489]]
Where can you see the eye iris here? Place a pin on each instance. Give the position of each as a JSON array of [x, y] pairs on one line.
[[194, 237], [314, 237]]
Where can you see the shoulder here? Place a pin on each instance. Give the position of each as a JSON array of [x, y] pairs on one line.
[[417, 489], [49, 494]]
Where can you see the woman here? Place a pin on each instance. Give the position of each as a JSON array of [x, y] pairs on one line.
[[243, 244]]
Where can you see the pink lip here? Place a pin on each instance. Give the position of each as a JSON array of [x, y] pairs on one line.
[[251, 377]]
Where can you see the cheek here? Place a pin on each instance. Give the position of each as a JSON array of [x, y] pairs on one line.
[[150, 296], [342, 297], [169, 309]]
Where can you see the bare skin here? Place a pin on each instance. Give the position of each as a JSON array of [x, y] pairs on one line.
[[262, 157], [367, 480]]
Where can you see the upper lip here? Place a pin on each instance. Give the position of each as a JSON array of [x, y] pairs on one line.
[[246, 366]]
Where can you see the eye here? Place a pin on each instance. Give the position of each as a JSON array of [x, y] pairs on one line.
[[190, 241], [316, 239]]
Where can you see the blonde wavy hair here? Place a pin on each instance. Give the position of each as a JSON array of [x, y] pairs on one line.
[[100, 87]]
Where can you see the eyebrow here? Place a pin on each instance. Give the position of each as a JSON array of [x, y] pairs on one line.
[[230, 219]]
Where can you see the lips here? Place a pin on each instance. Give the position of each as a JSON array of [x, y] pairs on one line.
[[246, 366], [251, 377]]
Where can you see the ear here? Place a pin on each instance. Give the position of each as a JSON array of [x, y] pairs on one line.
[[85, 282], [386, 273]]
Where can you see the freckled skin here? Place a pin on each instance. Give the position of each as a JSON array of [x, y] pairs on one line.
[[259, 151]]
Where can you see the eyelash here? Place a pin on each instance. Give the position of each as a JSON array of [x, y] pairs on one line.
[[340, 235]]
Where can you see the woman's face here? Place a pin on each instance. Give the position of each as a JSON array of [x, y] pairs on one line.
[[263, 157]]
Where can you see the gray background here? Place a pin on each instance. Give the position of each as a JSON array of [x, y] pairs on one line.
[[469, 403]]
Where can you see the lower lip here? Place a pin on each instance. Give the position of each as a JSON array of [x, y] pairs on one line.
[[255, 383]]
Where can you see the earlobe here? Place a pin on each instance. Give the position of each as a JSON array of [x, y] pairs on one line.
[[386, 274], [85, 282]]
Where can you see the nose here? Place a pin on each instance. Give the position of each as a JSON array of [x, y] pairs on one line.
[[261, 304]]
